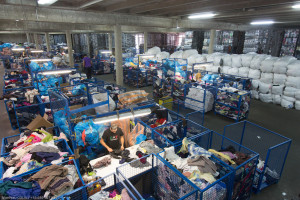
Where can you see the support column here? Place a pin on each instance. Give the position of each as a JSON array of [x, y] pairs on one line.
[[70, 48], [88, 43], [110, 43], [118, 54], [212, 41], [28, 38], [48, 42], [36, 41], [145, 41]]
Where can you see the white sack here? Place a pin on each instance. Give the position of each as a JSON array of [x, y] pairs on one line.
[[225, 69], [268, 64], [227, 60], [215, 69], [276, 99], [256, 61], [217, 60], [177, 54], [200, 59], [293, 82], [198, 94], [209, 68], [264, 87], [297, 105], [246, 59], [267, 98], [244, 71], [291, 99], [153, 51], [297, 95], [189, 53], [233, 71], [267, 77], [254, 94], [287, 104], [277, 89], [290, 91], [104, 108], [236, 60], [293, 69], [210, 58], [254, 73], [279, 79], [255, 84], [280, 66], [162, 55]]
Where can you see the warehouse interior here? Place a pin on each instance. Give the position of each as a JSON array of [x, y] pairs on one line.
[[74, 69]]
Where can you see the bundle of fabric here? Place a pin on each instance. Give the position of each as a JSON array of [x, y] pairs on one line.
[[199, 99], [133, 97], [111, 195]]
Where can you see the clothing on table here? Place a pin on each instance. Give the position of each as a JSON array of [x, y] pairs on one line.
[[103, 162], [149, 148], [113, 140]]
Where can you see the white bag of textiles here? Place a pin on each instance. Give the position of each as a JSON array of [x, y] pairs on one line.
[[210, 58], [280, 66], [192, 59], [209, 68], [297, 105], [162, 55], [255, 84], [56, 60], [254, 73], [217, 60], [297, 95], [227, 60], [267, 98], [225, 69], [290, 91], [293, 82], [246, 59], [244, 71], [293, 69], [254, 94], [276, 99], [215, 69], [233, 71], [153, 51], [236, 61], [177, 54], [200, 59], [104, 108], [268, 64], [279, 79], [267, 77], [256, 61], [287, 104], [264, 87], [291, 99], [277, 89], [188, 53]]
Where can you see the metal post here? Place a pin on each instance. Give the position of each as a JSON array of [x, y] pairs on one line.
[[47, 42], [118, 54], [110, 43], [70, 48], [145, 41], [37, 46], [212, 41]]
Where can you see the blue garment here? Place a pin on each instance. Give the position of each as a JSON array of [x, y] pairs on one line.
[[17, 193]]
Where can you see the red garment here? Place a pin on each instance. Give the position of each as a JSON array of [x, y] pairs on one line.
[[158, 121]]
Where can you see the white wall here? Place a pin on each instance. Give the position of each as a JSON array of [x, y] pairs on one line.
[[17, 38]]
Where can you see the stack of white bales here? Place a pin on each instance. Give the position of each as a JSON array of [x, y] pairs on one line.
[[198, 94], [291, 94]]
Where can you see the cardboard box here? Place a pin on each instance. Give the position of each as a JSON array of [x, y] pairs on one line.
[[40, 121]]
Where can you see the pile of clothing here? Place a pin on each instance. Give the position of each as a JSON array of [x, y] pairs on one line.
[[239, 105], [50, 182], [172, 132], [270, 176], [34, 149], [162, 87], [114, 195], [114, 91], [199, 98]]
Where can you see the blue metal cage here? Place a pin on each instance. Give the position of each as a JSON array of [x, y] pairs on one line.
[[272, 148]]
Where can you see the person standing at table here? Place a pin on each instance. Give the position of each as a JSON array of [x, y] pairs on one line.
[[87, 66]]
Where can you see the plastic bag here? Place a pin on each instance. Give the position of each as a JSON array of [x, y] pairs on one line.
[[255, 84], [279, 79], [244, 71], [233, 71], [277, 89], [256, 61], [267, 77], [268, 64], [227, 60], [264, 87], [60, 120], [294, 69], [297, 105], [293, 82], [48, 66], [254, 73], [90, 131], [189, 53], [104, 108], [290, 91], [254, 94], [280, 66], [140, 138], [225, 69], [78, 90], [276, 99], [267, 98], [34, 67], [246, 60], [133, 97], [236, 61], [287, 104]]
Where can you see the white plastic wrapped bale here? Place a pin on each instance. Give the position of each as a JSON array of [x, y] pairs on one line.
[[277, 89], [297, 95], [162, 55], [198, 94], [254, 73], [280, 66], [153, 51], [279, 79], [215, 69], [276, 99], [297, 105], [255, 84], [246, 59], [189, 53], [287, 102], [236, 61], [210, 58], [227, 60], [254, 94], [192, 59], [217, 60], [56, 60], [177, 54], [293, 82], [104, 108], [256, 61], [267, 98], [290, 91], [267, 77], [293, 69], [265, 87], [200, 59], [225, 69], [209, 68], [233, 71], [244, 71], [268, 64]]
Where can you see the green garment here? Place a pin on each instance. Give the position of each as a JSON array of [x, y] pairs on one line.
[[9, 184]]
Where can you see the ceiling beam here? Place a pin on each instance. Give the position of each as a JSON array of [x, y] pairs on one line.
[[128, 4], [88, 4]]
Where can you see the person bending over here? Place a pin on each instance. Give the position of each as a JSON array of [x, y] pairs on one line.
[[113, 139]]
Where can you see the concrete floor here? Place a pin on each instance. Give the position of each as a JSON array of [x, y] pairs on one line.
[[270, 116]]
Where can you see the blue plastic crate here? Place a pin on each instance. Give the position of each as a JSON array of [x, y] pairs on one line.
[[150, 180], [243, 173], [112, 181], [272, 148]]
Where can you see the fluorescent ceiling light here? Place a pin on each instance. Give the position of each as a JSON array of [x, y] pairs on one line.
[[105, 51], [296, 6], [202, 16], [127, 115], [147, 56], [56, 72], [262, 22], [46, 2], [36, 51], [65, 47], [40, 60], [18, 49]]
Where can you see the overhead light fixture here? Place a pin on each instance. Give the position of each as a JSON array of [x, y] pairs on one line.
[[262, 22], [56, 72], [17, 20], [202, 16], [106, 52], [18, 49], [65, 47], [36, 51], [296, 6], [127, 115], [46, 2], [40, 60], [147, 56]]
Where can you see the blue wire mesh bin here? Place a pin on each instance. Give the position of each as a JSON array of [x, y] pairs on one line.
[[156, 178], [108, 183], [243, 171], [272, 148]]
